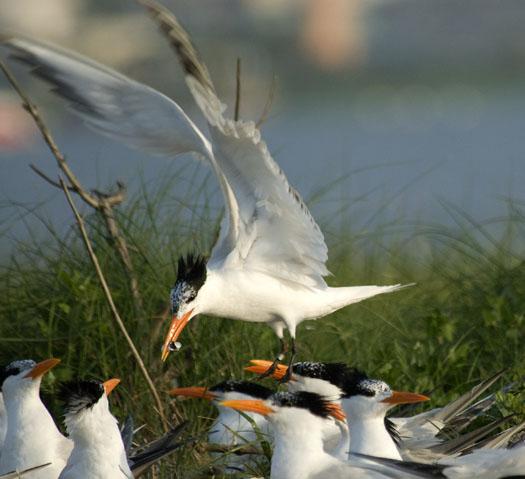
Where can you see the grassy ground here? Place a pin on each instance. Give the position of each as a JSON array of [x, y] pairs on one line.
[[462, 322]]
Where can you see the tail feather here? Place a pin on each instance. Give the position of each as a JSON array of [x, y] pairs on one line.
[[156, 450], [354, 294]]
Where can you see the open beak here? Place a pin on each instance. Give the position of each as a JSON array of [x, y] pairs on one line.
[[399, 397], [248, 405], [260, 366], [336, 412], [193, 392], [41, 368], [110, 384], [176, 327]]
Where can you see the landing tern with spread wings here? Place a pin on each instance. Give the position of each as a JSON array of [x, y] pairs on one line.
[[268, 264]]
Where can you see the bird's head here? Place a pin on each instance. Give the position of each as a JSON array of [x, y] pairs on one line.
[[287, 409], [365, 398], [83, 397], [23, 375], [318, 377], [225, 390], [184, 298]]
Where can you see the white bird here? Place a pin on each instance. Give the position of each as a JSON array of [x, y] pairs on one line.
[[297, 420], [415, 436], [320, 378], [230, 428], [366, 402], [32, 438], [268, 264], [98, 451]]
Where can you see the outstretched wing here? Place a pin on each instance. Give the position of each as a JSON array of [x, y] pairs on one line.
[[115, 105], [275, 231], [110, 102]]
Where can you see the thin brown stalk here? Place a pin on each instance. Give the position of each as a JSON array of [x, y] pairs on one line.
[[237, 89], [112, 306], [237, 450], [102, 202]]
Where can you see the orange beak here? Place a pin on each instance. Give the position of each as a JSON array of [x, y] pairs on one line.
[[110, 384], [193, 392], [260, 366], [176, 327], [405, 398], [41, 368], [248, 405], [336, 412]]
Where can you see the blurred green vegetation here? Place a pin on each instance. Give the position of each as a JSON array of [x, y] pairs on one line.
[[462, 322]]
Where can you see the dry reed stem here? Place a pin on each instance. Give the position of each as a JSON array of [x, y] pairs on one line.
[[237, 90], [101, 202], [104, 201], [114, 311]]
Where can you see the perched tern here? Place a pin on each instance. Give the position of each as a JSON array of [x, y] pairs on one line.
[[32, 438], [416, 436], [297, 420], [98, 450], [268, 264], [320, 378], [231, 428], [366, 402]]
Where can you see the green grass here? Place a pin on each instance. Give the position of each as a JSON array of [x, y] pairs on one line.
[[463, 321]]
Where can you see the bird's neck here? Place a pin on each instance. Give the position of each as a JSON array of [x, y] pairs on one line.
[[31, 436], [95, 433], [27, 412], [369, 436], [298, 451]]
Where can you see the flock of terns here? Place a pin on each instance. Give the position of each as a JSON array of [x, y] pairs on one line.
[[267, 266]]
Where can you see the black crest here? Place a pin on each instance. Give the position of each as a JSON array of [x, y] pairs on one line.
[[244, 387], [79, 395], [348, 379], [192, 270], [14, 368], [313, 402]]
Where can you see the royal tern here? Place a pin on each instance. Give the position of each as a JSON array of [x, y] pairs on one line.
[[268, 264], [320, 378], [230, 428], [416, 436], [366, 402], [297, 420], [98, 450], [32, 438]]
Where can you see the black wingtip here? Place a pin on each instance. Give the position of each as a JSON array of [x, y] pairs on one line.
[[423, 470]]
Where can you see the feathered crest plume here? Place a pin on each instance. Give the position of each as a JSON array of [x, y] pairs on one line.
[[192, 269]]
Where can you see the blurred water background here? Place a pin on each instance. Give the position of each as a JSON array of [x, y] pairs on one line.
[[392, 109]]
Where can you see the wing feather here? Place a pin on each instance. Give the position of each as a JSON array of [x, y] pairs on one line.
[[275, 231]]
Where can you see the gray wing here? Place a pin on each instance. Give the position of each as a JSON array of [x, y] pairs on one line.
[[108, 101], [273, 230]]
